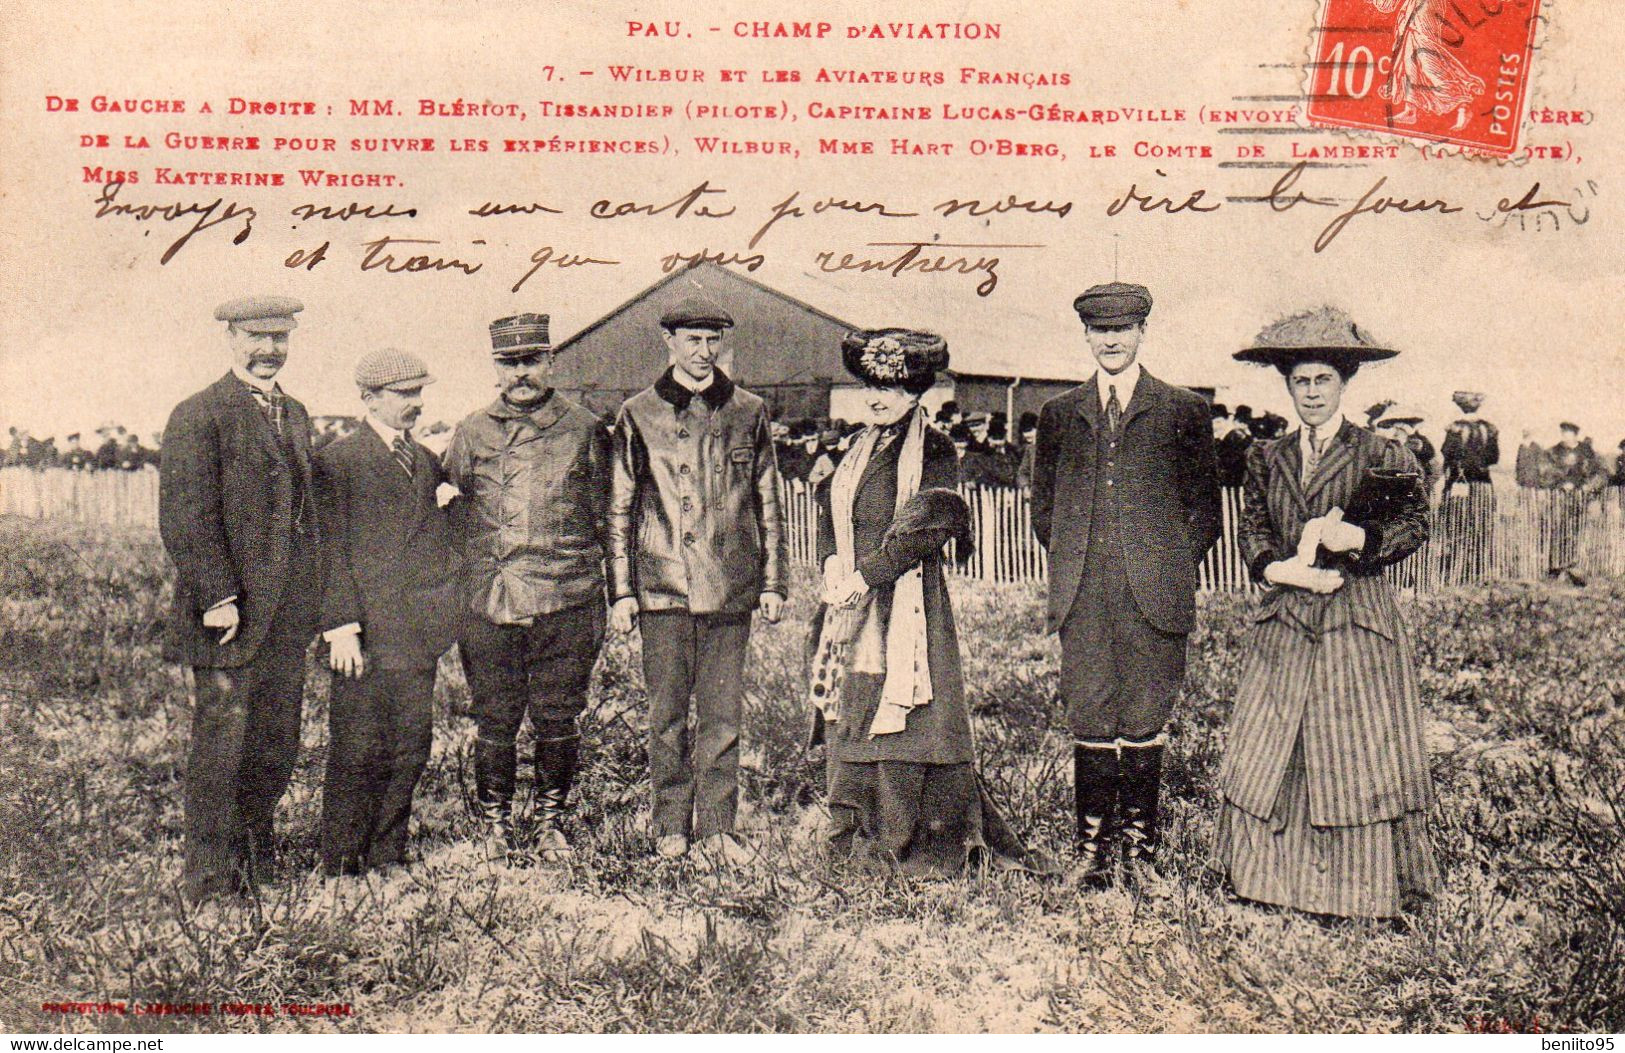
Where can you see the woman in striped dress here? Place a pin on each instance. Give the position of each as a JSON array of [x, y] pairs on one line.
[[1325, 784]]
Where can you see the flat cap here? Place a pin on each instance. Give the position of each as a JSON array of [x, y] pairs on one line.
[[260, 314], [1115, 303], [519, 336], [390, 368], [696, 312]]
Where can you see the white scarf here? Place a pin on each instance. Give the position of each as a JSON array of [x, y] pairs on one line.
[[897, 649]]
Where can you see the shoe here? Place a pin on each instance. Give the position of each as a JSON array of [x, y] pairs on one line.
[[553, 847], [724, 850], [671, 846]]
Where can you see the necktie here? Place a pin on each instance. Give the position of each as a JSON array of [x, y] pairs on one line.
[[1114, 410], [1313, 460], [275, 406], [402, 448]]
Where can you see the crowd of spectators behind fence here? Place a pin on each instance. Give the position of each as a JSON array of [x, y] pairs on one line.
[[991, 452]]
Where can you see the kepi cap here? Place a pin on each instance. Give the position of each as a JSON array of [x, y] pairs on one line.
[[519, 336], [696, 312], [391, 368], [1115, 303], [260, 314]]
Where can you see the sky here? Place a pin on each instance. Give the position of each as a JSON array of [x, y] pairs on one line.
[[93, 329]]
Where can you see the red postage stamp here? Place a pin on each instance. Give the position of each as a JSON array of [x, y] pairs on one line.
[[1449, 71]]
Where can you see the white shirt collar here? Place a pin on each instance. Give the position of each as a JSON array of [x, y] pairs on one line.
[[267, 386], [385, 432], [696, 386], [1323, 433], [1125, 382]]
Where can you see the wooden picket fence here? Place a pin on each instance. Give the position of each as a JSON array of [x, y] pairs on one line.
[[1479, 533]]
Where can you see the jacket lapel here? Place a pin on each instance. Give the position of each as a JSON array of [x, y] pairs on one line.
[[1146, 392], [1336, 456], [1089, 402], [242, 401], [1287, 459]]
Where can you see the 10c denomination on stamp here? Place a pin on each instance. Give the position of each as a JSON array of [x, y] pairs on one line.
[[1448, 71]]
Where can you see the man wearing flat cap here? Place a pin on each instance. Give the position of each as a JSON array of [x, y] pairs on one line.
[[697, 543], [1125, 497], [236, 509], [533, 471], [388, 613]]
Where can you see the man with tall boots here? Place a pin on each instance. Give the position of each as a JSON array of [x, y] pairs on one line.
[[388, 614], [697, 544], [237, 514], [1126, 499], [533, 472]]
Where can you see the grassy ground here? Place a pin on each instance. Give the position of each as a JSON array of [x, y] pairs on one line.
[[1521, 686]]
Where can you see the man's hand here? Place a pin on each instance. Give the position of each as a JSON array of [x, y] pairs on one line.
[[225, 617], [346, 657], [772, 605], [624, 614]]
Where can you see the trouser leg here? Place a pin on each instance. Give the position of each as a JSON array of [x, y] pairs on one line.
[[353, 783], [214, 831], [275, 705], [409, 720], [668, 671], [719, 687], [563, 649], [493, 659]]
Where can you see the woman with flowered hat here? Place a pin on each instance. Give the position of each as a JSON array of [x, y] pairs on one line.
[[1325, 783], [887, 693]]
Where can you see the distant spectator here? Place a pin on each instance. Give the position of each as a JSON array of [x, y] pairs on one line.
[[76, 458], [1400, 424], [1232, 437], [1534, 468], [1472, 445], [16, 447], [132, 456], [828, 456], [1029, 442], [1577, 472], [1618, 478]]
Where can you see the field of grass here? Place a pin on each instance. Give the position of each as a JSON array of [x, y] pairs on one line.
[[1522, 687]]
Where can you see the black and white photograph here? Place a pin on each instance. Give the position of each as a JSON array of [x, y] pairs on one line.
[[582, 519]]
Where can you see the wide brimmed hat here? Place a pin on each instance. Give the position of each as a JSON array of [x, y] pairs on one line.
[[890, 358], [1400, 414], [1324, 334], [1468, 401]]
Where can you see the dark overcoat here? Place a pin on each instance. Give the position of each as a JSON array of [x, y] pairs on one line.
[[387, 550], [226, 508], [1336, 669], [1170, 495]]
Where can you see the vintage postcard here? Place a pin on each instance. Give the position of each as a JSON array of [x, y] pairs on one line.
[[609, 517]]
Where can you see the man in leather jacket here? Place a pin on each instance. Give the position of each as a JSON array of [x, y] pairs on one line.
[[697, 542], [533, 472]]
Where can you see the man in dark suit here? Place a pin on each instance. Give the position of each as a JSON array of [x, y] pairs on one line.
[[388, 611], [1125, 498], [237, 513]]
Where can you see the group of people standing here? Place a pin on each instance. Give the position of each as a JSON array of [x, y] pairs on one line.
[[539, 530]]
